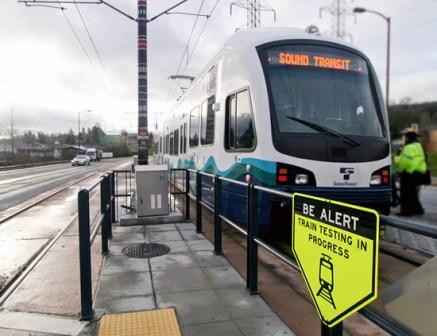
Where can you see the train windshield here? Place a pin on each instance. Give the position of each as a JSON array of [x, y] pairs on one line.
[[317, 89]]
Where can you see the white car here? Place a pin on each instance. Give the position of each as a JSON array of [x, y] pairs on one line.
[[81, 160]]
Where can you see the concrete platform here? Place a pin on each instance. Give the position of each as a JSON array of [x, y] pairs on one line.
[[172, 217], [208, 294]]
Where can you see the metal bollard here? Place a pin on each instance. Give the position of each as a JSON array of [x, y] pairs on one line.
[[86, 292], [108, 208], [252, 246], [187, 191], [112, 198], [103, 203], [335, 331], [198, 200], [217, 220]]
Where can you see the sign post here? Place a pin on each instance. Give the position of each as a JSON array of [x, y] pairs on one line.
[[336, 246]]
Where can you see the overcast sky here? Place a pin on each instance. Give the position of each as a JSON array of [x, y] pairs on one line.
[[46, 77]]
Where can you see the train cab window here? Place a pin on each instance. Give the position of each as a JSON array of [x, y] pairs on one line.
[[194, 127], [176, 142], [207, 122], [239, 130]]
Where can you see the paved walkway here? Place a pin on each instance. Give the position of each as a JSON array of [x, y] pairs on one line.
[[208, 294]]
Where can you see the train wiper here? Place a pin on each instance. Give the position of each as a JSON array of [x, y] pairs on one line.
[[326, 130]]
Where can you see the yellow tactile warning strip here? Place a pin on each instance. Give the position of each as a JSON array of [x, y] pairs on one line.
[[159, 322]]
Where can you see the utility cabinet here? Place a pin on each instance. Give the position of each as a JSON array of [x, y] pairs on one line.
[[152, 190]]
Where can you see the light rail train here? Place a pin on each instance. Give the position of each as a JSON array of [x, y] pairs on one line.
[[294, 111]]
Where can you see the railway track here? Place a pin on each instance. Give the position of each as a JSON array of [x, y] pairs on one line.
[[8, 285]]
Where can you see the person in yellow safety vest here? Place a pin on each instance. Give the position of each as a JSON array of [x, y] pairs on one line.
[[410, 160]]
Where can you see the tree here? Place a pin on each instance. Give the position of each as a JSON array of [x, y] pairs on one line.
[[29, 137], [70, 138], [42, 138]]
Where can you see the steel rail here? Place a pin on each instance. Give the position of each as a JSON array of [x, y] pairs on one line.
[[422, 229], [231, 223], [96, 228], [278, 254], [226, 179]]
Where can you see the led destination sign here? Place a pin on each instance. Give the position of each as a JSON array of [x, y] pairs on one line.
[[318, 60]]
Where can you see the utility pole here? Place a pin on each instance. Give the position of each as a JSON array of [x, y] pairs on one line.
[[253, 11], [338, 11], [142, 22], [143, 132]]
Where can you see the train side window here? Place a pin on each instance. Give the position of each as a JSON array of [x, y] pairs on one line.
[[194, 127], [207, 122], [171, 143], [176, 142], [167, 144], [239, 131], [181, 142], [185, 137]]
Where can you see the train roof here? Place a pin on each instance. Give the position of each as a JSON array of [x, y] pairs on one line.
[[258, 36], [245, 40]]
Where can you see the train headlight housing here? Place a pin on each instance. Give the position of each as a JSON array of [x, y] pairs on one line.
[[291, 175], [301, 179], [381, 177], [375, 179]]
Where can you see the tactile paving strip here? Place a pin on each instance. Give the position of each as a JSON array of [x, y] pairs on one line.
[[159, 322]]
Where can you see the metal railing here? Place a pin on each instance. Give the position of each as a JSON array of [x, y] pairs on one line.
[[87, 238], [122, 178], [254, 240]]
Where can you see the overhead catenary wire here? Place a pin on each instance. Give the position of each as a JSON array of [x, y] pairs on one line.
[[91, 39], [195, 44], [189, 56], [77, 37], [185, 52]]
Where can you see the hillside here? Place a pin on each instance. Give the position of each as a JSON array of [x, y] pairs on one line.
[[402, 115]]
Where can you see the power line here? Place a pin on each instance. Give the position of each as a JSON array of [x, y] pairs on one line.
[[173, 86], [91, 39], [189, 56], [77, 37]]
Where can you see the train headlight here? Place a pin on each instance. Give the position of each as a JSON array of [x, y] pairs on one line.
[[381, 177], [375, 180], [301, 179]]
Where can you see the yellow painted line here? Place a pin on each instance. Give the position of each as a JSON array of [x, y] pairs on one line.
[[159, 322]]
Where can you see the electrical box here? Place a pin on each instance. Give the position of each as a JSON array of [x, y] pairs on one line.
[[152, 190]]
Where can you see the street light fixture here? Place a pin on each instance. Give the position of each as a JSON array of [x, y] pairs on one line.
[[360, 10], [78, 126]]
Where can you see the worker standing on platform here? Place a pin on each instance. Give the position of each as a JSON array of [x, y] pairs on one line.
[[409, 164]]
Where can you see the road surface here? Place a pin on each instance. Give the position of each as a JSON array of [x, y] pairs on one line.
[[20, 185]]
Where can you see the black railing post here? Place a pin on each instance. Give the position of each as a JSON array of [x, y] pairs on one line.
[[103, 202], [334, 331], [187, 191], [217, 220], [113, 219], [86, 291], [252, 246], [198, 202], [108, 208]]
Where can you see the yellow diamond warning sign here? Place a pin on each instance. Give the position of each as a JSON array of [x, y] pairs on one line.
[[336, 246]]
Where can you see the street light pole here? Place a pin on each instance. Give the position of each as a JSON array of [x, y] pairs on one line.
[[387, 68], [78, 127]]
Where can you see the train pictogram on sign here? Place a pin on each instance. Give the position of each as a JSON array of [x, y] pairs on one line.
[[336, 247]]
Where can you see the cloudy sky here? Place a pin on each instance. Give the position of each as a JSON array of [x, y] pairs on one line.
[[46, 76]]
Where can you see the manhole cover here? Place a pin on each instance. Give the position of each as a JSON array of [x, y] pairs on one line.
[[145, 250]]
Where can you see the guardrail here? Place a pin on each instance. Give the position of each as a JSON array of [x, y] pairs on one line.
[[86, 237], [254, 241]]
